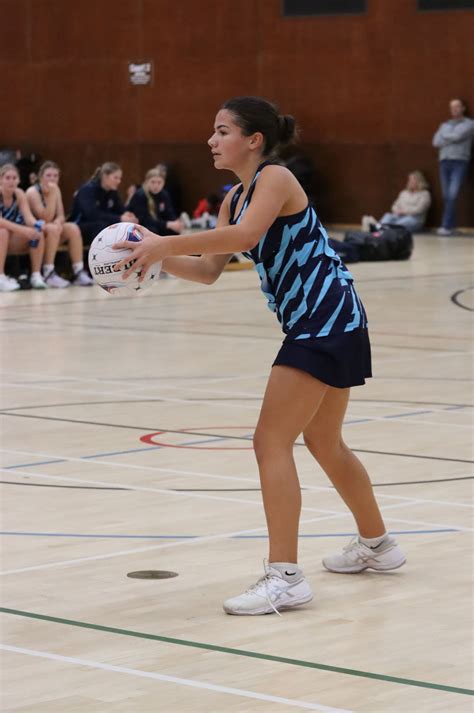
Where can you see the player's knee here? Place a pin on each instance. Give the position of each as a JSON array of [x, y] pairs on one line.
[[322, 448], [267, 442], [71, 230], [52, 230]]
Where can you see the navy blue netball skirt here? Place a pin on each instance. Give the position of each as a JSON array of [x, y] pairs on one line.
[[340, 360]]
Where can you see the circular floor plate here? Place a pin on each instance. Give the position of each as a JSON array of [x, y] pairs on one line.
[[152, 574]]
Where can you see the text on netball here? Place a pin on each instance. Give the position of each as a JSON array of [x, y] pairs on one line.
[[109, 269]]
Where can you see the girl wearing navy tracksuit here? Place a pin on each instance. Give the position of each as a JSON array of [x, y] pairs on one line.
[[97, 203]]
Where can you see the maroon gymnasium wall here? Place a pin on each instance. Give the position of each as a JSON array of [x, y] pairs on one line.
[[368, 91]]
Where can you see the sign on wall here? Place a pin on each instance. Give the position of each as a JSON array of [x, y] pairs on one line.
[[140, 73]]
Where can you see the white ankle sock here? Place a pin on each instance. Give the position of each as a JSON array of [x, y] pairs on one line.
[[47, 269], [77, 267], [372, 542], [288, 570]]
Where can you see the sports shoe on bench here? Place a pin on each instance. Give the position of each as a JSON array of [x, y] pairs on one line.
[[357, 557], [55, 280], [83, 279], [272, 593]]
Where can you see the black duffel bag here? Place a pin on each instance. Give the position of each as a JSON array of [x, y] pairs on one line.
[[391, 242], [346, 251]]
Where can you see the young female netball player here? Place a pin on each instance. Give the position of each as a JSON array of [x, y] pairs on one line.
[[326, 349], [20, 232], [46, 203]]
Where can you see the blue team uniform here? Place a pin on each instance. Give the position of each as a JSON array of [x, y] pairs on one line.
[[12, 213], [312, 293]]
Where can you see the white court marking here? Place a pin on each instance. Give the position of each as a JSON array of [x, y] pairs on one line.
[[173, 679], [205, 538], [241, 479]]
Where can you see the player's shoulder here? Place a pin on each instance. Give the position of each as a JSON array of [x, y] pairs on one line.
[[276, 178], [277, 172]]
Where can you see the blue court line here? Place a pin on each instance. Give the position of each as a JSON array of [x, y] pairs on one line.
[[413, 413], [354, 534], [191, 537], [119, 453], [43, 462], [200, 441], [382, 418], [113, 453]]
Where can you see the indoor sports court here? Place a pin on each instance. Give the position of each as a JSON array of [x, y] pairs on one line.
[[126, 444], [131, 500]]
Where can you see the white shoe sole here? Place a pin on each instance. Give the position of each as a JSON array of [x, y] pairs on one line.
[[359, 568], [267, 609]]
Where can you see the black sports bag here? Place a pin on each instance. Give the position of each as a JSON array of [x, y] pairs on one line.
[[391, 242]]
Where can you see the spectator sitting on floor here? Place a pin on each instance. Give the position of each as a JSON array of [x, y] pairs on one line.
[[46, 203], [20, 232], [409, 209], [97, 203], [153, 207]]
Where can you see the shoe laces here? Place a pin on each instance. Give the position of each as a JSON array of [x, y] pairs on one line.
[[365, 553], [357, 548], [265, 580]]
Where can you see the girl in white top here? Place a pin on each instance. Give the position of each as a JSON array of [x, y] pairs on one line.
[[411, 205], [46, 203], [20, 232]]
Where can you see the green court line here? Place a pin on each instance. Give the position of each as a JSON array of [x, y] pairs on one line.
[[241, 652]]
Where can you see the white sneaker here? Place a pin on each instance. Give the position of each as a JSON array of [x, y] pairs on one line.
[[55, 280], [83, 279], [8, 284], [272, 593], [37, 282], [186, 220], [356, 557], [368, 221], [444, 231]]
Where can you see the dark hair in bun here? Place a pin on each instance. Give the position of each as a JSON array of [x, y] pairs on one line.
[[287, 129], [254, 114]]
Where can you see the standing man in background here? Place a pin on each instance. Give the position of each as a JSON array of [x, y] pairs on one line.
[[453, 139]]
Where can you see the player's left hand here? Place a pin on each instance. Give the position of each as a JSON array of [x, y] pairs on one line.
[[145, 253]]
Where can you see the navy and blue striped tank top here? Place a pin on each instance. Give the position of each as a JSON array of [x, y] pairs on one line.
[[306, 283], [11, 213]]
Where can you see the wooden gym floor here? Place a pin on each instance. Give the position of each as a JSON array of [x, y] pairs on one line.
[[126, 427]]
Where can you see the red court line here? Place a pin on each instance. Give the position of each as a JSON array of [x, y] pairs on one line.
[[149, 439]]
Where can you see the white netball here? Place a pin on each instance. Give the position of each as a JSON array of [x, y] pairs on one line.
[[102, 260]]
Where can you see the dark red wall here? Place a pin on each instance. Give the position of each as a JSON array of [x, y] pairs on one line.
[[368, 91]]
